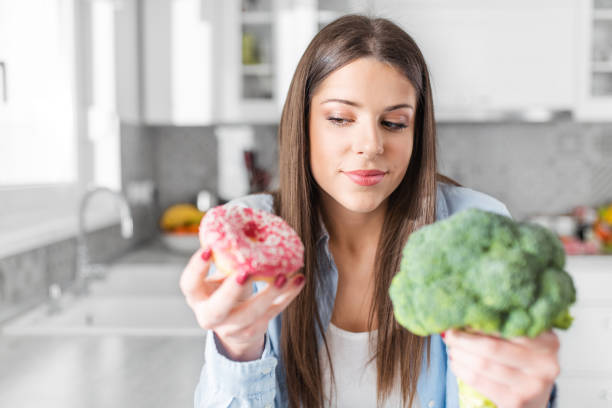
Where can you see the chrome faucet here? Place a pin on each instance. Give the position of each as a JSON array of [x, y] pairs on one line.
[[86, 271]]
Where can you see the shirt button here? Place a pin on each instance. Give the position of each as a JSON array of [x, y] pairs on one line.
[[266, 371], [431, 404]]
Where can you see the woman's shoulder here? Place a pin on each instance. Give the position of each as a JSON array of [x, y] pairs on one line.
[[452, 199], [260, 201]]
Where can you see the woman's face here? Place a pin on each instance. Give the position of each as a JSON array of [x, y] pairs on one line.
[[361, 133]]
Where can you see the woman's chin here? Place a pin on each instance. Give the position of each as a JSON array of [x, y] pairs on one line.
[[362, 205]]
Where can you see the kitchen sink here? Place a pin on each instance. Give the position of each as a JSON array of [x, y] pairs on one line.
[[96, 315], [140, 299]]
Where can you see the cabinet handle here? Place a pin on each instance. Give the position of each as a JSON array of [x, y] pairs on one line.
[[606, 395], [3, 79]]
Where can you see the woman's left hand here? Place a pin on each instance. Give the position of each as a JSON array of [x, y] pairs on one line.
[[513, 373]]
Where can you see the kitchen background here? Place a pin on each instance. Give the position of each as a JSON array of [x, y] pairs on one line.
[[160, 99]]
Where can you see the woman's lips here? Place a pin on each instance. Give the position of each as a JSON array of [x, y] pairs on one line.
[[365, 177]]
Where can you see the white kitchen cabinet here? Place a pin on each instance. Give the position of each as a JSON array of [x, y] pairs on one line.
[[488, 56], [248, 60], [178, 61], [595, 61], [112, 59], [586, 362], [37, 101], [262, 42], [193, 70]]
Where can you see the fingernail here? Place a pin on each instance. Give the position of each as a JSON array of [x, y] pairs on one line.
[[242, 278], [298, 281], [206, 254], [280, 281], [443, 334]]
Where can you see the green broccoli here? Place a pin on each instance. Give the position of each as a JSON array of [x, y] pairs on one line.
[[485, 272]]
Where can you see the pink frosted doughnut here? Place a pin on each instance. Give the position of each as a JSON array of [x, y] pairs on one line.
[[253, 241]]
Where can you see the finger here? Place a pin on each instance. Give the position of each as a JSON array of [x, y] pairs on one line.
[[266, 304], [192, 281], [532, 392], [546, 342], [243, 334], [215, 309], [499, 373], [498, 349], [281, 302]]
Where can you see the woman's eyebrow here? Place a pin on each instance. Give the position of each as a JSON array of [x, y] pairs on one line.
[[357, 105]]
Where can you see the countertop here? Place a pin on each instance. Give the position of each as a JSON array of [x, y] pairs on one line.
[[99, 371], [154, 252], [123, 371], [102, 370]]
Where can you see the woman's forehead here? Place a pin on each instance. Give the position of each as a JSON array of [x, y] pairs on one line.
[[367, 80]]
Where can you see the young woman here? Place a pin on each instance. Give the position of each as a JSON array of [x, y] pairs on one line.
[[357, 176]]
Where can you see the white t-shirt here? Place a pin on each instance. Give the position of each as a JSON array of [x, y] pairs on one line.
[[355, 381]]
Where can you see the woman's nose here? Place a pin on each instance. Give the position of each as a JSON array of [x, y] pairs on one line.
[[368, 141]]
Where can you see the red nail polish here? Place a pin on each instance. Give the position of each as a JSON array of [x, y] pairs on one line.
[[206, 254], [443, 334], [242, 278], [298, 281], [280, 281]]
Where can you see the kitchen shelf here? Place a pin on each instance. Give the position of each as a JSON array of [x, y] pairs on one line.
[[602, 67], [602, 85], [602, 14], [256, 17], [257, 69]]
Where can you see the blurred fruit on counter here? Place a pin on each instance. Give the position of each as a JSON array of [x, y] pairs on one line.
[[181, 219], [180, 224], [584, 231], [602, 228]]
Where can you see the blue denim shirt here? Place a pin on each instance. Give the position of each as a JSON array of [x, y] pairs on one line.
[[261, 383]]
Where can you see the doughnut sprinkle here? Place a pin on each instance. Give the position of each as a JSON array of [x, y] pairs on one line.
[[252, 241]]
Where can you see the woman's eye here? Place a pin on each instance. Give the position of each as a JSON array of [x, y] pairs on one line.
[[393, 125], [339, 121]]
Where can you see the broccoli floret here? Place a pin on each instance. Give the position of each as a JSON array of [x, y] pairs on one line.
[[483, 271]]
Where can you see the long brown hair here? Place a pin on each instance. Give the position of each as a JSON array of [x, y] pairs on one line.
[[411, 206]]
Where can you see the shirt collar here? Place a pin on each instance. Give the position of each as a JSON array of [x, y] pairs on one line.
[[441, 206], [323, 234]]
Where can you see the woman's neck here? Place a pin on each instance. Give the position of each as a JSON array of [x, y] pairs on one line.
[[352, 232], [353, 240]]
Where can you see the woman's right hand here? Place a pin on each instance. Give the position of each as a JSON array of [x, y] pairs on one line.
[[226, 304]]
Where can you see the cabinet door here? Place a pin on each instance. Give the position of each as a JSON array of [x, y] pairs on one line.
[[36, 94], [482, 55], [247, 55], [178, 61], [595, 61]]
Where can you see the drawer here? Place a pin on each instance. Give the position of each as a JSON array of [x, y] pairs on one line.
[[585, 392], [586, 345]]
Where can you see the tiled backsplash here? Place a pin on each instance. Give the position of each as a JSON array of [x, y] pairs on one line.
[[186, 160], [531, 167]]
